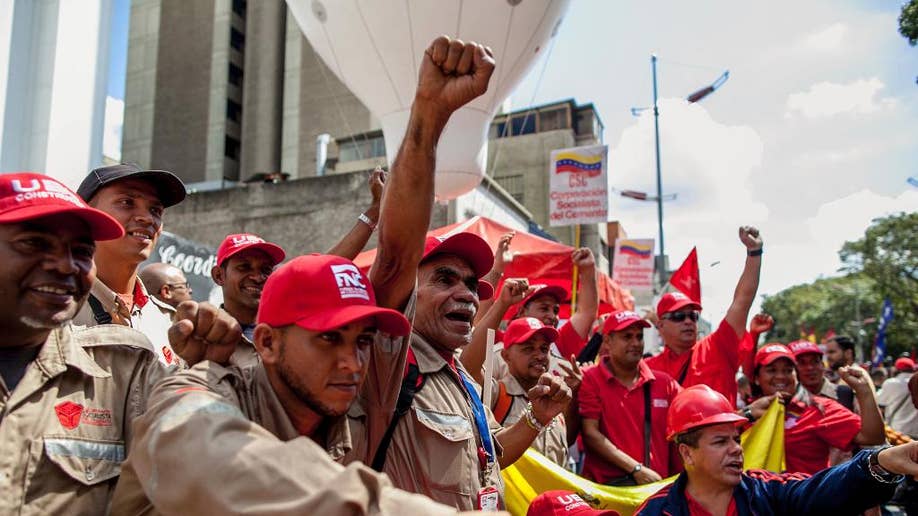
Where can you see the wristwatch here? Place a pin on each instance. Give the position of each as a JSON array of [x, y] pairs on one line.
[[636, 469], [878, 472], [747, 413]]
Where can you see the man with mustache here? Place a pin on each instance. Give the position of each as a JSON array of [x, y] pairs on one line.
[[704, 427], [715, 359], [137, 199], [244, 263], [68, 396], [624, 405], [440, 440]]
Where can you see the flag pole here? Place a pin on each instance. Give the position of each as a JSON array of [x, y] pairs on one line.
[[575, 270]]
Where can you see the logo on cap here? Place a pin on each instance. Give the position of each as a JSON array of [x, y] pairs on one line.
[[534, 323], [43, 189], [679, 295], [246, 239], [774, 348], [350, 282], [571, 501], [627, 314]]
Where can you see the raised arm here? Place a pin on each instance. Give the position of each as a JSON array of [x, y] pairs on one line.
[[587, 295], [473, 355], [357, 237], [452, 73], [496, 273], [872, 428], [748, 283]]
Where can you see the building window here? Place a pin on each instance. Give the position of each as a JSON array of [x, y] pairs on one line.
[[498, 130], [514, 185], [233, 111], [239, 7], [361, 147], [237, 40], [553, 119], [524, 123], [235, 75], [231, 148]]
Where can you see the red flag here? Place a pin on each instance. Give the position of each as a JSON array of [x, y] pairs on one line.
[[686, 278]]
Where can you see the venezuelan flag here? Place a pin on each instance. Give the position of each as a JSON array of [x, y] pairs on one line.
[[573, 162], [635, 249]]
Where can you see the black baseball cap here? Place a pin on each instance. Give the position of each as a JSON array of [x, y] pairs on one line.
[[169, 187]]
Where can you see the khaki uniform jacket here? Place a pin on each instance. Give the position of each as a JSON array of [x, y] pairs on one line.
[[552, 440], [434, 449], [216, 440], [152, 319], [65, 428]]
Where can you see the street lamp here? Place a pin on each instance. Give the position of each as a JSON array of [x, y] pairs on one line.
[[694, 97]]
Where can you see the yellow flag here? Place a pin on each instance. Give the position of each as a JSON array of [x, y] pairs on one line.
[[533, 473]]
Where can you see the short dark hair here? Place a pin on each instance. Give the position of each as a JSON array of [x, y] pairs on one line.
[[690, 438], [844, 342]]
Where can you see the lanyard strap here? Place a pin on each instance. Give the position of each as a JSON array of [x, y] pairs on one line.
[[481, 421]]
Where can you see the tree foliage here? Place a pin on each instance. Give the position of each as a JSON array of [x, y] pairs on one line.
[[884, 263], [908, 22]]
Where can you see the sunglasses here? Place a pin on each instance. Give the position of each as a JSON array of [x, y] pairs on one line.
[[681, 316]]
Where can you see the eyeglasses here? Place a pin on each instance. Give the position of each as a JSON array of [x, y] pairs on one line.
[[681, 316], [178, 285]]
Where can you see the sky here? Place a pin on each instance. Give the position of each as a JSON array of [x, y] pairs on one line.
[[812, 136], [117, 70]]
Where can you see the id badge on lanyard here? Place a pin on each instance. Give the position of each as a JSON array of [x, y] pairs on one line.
[[488, 499]]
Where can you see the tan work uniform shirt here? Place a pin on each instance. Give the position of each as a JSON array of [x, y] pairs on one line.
[[153, 319], [216, 440], [245, 354], [65, 428], [434, 449], [552, 440]]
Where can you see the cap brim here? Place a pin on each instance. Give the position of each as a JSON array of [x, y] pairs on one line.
[[719, 419], [169, 188], [387, 320], [469, 247], [643, 323], [682, 304], [777, 356], [273, 250], [555, 291], [550, 334], [101, 225]]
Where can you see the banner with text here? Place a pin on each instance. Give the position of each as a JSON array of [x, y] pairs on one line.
[[579, 186], [632, 265]]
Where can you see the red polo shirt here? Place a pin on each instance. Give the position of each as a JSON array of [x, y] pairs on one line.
[[712, 361], [620, 412], [569, 341], [809, 433]]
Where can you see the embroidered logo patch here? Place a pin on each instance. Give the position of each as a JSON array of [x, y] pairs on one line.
[[96, 417], [350, 282], [68, 413]]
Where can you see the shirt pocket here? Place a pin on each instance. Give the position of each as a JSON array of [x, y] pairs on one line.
[[446, 443], [86, 461]]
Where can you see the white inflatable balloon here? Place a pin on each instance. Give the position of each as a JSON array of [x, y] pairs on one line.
[[374, 46]]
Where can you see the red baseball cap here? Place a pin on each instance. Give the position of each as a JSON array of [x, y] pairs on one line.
[[802, 347], [471, 248], [674, 301], [322, 292], [556, 291], [235, 244], [771, 352], [552, 503], [905, 365], [522, 329], [621, 319], [27, 195]]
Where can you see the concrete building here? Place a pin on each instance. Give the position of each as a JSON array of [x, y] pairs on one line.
[[53, 69]]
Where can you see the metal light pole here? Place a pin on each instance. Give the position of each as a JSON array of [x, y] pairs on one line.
[[661, 265]]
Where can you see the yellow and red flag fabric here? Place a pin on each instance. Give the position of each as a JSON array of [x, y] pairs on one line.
[[533, 473]]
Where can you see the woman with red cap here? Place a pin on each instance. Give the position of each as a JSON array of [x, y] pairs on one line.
[[813, 424], [704, 427]]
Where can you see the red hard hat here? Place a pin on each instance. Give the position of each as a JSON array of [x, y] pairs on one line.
[[696, 406]]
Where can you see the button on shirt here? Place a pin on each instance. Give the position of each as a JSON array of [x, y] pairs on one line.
[[552, 440], [620, 413], [148, 315], [65, 428], [712, 361]]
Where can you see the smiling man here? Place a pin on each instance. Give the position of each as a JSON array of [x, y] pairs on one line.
[[624, 405], [704, 427], [244, 262], [137, 199], [69, 396]]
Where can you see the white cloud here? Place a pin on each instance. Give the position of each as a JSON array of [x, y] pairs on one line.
[[114, 124], [827, 99], [827, 39]]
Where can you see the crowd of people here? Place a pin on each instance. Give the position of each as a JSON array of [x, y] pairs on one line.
[[317, 388]]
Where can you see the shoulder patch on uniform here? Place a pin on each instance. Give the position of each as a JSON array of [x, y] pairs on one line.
[[111, 335]]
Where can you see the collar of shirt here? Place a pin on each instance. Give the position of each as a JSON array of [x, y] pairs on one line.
[[645, 374], [513, 386], [429, 359], [114, 303]]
